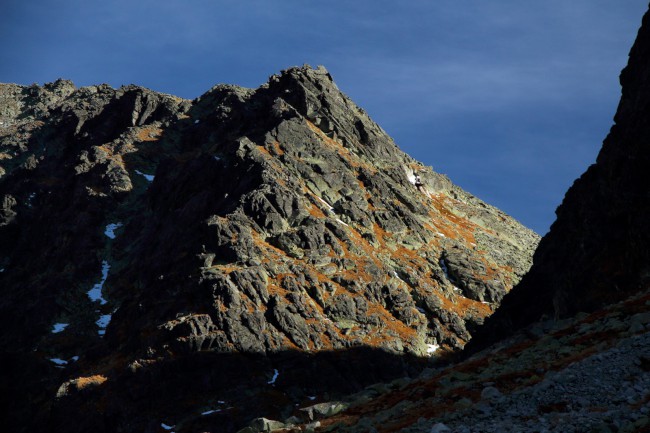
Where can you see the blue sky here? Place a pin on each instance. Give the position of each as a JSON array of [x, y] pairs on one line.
[[511, 99]]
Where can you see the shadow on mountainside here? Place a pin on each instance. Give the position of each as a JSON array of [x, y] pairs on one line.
[[203, 391]]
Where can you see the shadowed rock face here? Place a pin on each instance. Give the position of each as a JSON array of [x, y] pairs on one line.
[[596, 252], [154, 246]]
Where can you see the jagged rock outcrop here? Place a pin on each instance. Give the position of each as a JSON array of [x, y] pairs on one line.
[[596, 252], [154, 246], [560, 369]]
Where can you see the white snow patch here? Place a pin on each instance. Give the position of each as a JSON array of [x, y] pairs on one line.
[[441, 235], [30, 198], [217, 158], [165, 426], [221, 402], [312, 397], [276, 373], [95, 294], [411, 177], [326, 204], [208, 412], [431, 348], [149, 177], [445, 269], [103, 322], [398, 277], [58, 327], [485, 302], [58, 361], [2, 269], [196, 122], [110, 229], [74, 358], [339, 220], [421, 310]]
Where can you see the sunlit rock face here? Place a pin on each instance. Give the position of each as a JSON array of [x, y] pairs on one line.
[[232, 248]]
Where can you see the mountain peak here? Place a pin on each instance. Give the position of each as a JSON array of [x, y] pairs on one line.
[[276, 223]]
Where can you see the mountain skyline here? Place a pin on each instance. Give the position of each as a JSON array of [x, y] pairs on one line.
[[511, 101]]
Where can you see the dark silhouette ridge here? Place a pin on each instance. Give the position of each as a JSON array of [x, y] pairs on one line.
[[596, 252]]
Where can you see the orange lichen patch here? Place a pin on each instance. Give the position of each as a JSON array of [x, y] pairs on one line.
[[380, 234], [260, 242], [276, 148], [463, 228], [466, 305], [227, 268], [274, 287], [149, 133], [390, 323], [346, 420], [106, 148], [264, 151], [316, 212], [4, 156], [90, 381], [119, 160]]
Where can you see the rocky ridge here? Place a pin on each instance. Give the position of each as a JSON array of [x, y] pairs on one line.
[[150, 243], [567, 351]]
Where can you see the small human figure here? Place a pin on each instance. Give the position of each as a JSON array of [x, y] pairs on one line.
[[418, 183]]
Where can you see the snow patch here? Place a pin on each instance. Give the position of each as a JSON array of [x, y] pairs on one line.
[[276, 373], [445, 269], [431, 348], [398, 277], [58, 361], [2, 269], [420, 309], [208, 412], [339, 220], [410, 176], [197, 121], [312, 397], [29, 199], [58, 327], [217, 158], [74, 358], [165, 426], [95, 294], [326, 204], [103, 322], [441, 235], [149, 177], [110, 229]]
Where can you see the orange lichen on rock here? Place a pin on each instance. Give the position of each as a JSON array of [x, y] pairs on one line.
[[90, 381], [149, 133]]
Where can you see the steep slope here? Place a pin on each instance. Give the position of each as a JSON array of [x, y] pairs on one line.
[[554, 368], [153, 246], [597, 250]]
